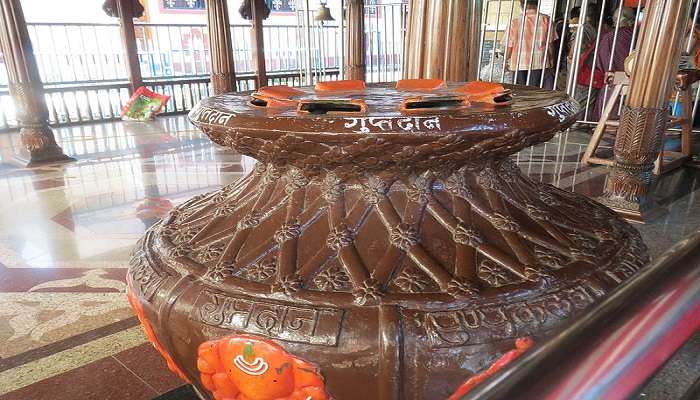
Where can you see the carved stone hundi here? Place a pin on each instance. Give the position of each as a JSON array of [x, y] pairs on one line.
[[384, 247]]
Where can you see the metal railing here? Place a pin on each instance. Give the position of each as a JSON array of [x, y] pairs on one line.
[[385, 30], [85, 76], [599, 40], [84, 70]]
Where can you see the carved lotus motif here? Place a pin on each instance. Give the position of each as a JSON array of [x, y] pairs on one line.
[[469, 236], [181, 250], [261, 271], [250, 221], [369, 290], [295, 180], [220, 271], [332, 279], [504, 222], [493, 274], [271, 174], [183, 236], [287, 232], [289, 284], [332, 187], [403, 236], [457, 185], [211, 252], [411, 282], [419, 190], [374, 190], [339, 237]]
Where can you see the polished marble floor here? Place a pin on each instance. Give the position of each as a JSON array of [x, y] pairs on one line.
[[66, 232]]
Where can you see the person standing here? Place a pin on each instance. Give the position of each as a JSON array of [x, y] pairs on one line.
[[529, 56], [614, 47], [584, 83]]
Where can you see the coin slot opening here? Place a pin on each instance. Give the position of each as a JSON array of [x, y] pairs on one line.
[[258, 102], [504, 97], [434, 103], [322, 107]]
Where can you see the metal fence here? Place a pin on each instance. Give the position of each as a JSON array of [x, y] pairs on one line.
[[566, 54], [385, 30], [84, 70], [85, 77]]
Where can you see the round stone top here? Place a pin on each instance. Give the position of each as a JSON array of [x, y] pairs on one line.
[[403, 116]]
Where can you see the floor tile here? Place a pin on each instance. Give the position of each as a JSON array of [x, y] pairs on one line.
[[147, 363], [105, 379]]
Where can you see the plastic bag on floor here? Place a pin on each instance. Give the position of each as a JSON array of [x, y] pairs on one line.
[[143, 105]]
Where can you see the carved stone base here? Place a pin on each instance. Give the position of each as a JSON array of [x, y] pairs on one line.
[[41, 148], [640, 213], [464, 243], [401, 253], [637, 146]]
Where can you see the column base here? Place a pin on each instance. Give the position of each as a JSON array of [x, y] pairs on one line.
[[631, 211], [39, 148]]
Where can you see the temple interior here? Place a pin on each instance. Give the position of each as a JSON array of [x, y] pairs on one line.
[[349, 199]]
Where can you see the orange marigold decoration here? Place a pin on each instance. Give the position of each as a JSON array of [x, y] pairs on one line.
[[151, 335], [253, 368], [521, 346]]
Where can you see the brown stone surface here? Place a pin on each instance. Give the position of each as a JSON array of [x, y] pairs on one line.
[[399, 252]]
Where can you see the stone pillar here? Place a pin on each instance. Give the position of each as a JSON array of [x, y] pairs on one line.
[[354, 57], [223, 76], [442, 39], [126, 12], [26, 89], [644, 117], [259, 11]]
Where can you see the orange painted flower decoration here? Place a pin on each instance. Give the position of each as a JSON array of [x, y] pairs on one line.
[[419, 84], [151, 335], [339, 86], [254, 368], [521, 346], [275, 96], [486, 92]]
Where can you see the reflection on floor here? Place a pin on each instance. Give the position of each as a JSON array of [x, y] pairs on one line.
[[66, 232]]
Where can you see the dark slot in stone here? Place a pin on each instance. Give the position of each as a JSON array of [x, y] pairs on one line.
[[258, 102], [503, 98], [436, 103], [320, 107]]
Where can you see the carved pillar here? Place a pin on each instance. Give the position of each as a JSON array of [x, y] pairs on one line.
[[354, 56], [126, 11], [26, 88], [223, 75], [442, 39], [643, 120], [259, 12]]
